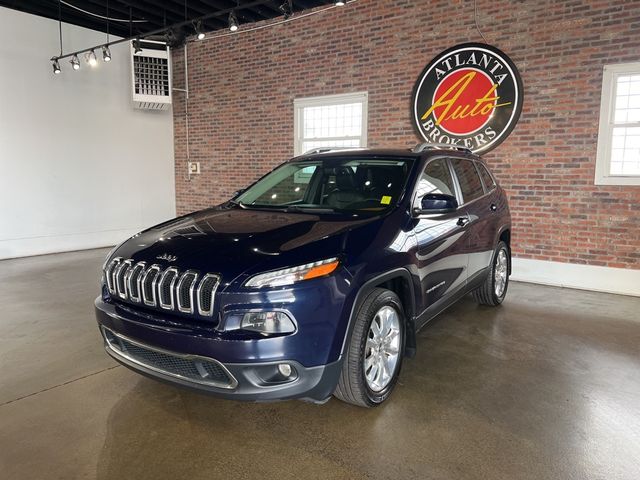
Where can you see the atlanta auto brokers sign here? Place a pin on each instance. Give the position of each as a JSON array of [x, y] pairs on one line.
[[469, 95]]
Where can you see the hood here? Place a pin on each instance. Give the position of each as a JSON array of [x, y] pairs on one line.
[[231, 241]]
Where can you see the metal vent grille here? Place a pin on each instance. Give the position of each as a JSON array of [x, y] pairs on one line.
[[151, 76], [168, 289]]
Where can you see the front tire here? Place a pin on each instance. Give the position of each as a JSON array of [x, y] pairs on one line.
[[494, 288], [374, 354]]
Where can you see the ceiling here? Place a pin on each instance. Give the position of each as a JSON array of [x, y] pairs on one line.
[[155, 13]]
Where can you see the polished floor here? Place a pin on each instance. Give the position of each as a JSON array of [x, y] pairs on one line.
[[545, 387]]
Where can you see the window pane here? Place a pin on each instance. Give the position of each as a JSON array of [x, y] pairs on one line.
[[627, 101], [469, 180], [332, 121], [486, 177], [435, 179], [625, 151]]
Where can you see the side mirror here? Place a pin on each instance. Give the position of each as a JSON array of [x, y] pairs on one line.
[[436, 203]]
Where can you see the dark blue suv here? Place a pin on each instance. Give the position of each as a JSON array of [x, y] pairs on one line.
[[313, 281]]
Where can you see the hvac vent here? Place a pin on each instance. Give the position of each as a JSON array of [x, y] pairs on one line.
[[151, 75]]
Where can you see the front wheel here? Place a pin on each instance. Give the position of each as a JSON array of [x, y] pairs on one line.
[[374, 355], [494, 288]]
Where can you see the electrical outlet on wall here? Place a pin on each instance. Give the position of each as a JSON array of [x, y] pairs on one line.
[[194, 168]]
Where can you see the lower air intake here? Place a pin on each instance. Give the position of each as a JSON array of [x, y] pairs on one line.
[[200, 370]]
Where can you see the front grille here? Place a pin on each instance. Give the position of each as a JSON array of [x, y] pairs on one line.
[[168, 289], [206, 371]]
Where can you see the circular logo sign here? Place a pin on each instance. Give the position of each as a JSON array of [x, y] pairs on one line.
[[469, 95]]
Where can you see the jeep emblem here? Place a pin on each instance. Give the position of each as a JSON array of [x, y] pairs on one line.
[[167, 257]]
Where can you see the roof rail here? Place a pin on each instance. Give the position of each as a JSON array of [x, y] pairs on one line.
[[328, 149], [421, 147]]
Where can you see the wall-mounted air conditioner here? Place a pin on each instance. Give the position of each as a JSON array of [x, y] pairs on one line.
[[151, 75]]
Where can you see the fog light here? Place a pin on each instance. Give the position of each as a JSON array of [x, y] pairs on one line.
[[285, 370], [267, 322]]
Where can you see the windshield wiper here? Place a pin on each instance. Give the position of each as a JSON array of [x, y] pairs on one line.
[[296, 209], [237, 204]]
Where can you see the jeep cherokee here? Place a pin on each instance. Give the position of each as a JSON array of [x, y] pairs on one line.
[[313, 281]]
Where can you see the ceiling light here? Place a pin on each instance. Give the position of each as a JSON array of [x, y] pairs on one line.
[[106, 54], [286, 9], [91, 58], [199, 33], [233, 22], [75, 63], [56, 67], [136, 46]]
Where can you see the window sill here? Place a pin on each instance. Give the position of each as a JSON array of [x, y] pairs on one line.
[[613, 180]]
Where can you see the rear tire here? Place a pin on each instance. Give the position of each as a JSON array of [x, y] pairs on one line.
[[373, 358], [494, 288]]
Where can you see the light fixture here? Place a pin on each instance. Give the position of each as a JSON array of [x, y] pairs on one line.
[[286, 9], [233, 21], [199, 33], [136, 46], [75, 63], [340, 3], [56, 67], [91, 58], [106, 54]]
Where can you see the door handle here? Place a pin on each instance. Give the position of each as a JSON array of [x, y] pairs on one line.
[[493, 207], [462, 221]]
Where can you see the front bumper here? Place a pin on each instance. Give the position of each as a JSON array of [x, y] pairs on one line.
[[250, 381]]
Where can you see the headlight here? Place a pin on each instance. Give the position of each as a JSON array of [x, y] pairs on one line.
[[291, 275], [267, 322]]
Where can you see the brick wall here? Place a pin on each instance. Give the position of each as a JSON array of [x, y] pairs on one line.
[[242, 89]]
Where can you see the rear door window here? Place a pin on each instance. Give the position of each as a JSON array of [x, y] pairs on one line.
[[488, 180], [468, 178]]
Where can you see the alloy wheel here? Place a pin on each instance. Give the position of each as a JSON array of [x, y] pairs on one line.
[[382, 349], [500, 273]]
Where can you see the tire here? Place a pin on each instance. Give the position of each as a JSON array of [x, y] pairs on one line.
[[488, 293], [366, 351]]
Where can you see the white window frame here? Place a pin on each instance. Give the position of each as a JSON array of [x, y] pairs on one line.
[[605, 133], [299, 104]]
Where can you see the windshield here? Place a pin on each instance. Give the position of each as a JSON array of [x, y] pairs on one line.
[[344, 185]]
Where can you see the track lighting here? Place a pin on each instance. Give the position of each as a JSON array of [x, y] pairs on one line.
[[198, 28], [91, 58], [233, 21], [286, 9]]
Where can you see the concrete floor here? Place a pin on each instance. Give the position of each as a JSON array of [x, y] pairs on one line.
[[546, 386]]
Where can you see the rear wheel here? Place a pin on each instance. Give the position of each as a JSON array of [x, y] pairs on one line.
[[374, 354], [494, 288]]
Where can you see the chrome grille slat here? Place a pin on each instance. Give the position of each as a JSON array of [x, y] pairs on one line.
[[169, 289], [206, 293], [109, 274], [149, 281], [166, 288], [120, 274], [184, 291], [133, 281]]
